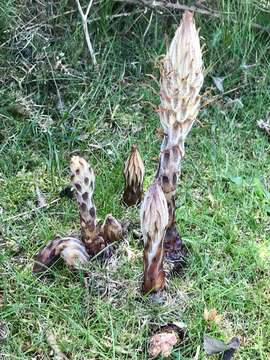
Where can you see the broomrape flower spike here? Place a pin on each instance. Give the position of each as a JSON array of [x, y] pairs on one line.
[[94, 237], [111, 229], [154, 219], [83, 180], [134, 174], [181, 81]]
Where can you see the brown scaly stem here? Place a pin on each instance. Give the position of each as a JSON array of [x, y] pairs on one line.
[[181, 81], [134, 174], [154, 219], [167, 173]]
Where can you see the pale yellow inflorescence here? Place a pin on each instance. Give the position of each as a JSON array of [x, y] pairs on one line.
[[181, 81]]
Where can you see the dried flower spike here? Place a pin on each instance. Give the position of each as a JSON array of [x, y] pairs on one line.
[[134, 174], [83, 180], [181, 81], [154, 219]]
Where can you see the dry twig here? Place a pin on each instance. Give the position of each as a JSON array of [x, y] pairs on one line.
[[84, 17], [153, 4], [172, 6], [265, 126], [27, 213]]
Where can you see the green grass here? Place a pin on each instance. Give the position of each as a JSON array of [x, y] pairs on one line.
[[223, 195]]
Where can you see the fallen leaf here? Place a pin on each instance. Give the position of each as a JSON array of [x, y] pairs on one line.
[[212, 315], [218, 82], [3, 331], [19, 109], [265, 126], [234, 345], [213, 346], [41, 200], [209, 315], [164, 340], [162, 344]]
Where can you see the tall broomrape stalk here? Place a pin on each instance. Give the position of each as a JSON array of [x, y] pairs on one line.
[[95, 236], [154, 219], [181, 81], [83, 179], [134, 174]]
